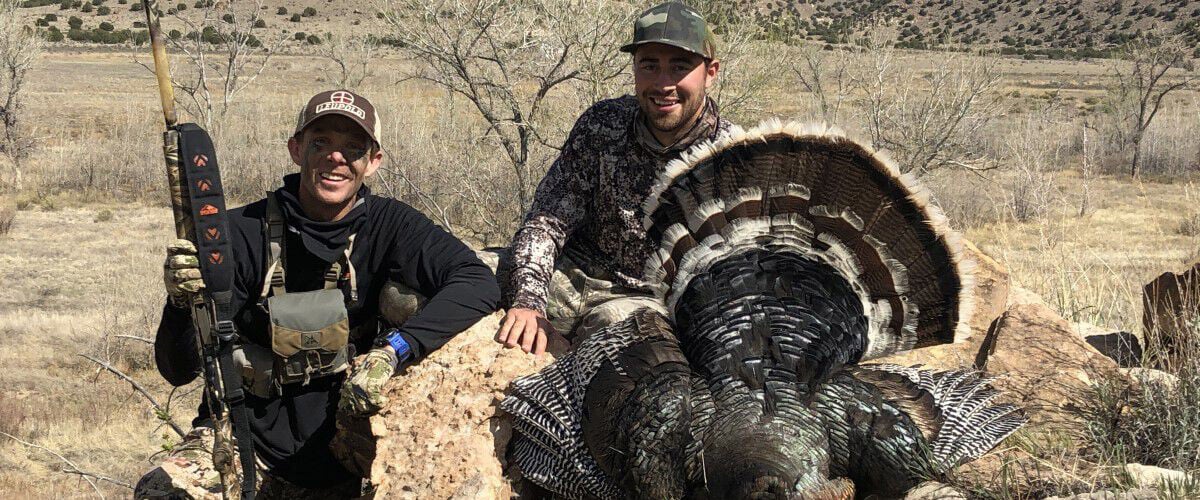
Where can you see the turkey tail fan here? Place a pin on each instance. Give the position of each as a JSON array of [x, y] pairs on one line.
[[954, 410], [810, 192]]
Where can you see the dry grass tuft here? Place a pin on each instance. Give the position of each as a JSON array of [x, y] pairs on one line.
[[8, 214]]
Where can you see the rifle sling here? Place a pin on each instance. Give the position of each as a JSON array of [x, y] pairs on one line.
[[207, 200]]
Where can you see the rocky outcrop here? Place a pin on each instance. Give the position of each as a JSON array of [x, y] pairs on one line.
[[442, 435]]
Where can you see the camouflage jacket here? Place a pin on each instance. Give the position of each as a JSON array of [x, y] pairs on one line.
[[590, 202]]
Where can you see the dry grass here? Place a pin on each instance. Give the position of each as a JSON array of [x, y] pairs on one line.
[[72, 279], [8, 213]]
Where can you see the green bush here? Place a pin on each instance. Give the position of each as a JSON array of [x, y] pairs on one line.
[[227, 18], [54, 36], [141, 37], [78, 35], [260, 24], [282, 11], [174, 34], [103, 10], [295, 18], [139, 24], [122, 2], [87, 7], [309, 12], [51, 18], [135, 7], [64, 5], [39, 22], [300, 35], [75, 22], [106, 26], [181, 7], [314, 40]]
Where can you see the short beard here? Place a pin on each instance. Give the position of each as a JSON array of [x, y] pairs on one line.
[[672, 124]]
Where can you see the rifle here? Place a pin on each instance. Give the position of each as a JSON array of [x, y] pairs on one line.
[[198, 206]]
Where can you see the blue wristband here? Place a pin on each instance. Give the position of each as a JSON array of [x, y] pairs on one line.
[[394, 339]]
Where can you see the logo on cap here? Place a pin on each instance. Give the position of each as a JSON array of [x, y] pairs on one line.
[[341, 101]]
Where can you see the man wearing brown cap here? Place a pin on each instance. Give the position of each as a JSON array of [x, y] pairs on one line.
[[577, 259], [312, 259]]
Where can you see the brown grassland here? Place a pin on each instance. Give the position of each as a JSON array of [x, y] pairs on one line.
[[80, 265]]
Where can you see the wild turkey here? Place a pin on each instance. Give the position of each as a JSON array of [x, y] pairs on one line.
[[786, 254]]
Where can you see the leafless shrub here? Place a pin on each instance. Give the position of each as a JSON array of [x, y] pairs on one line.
[[351, 56], [1032, 153], [505, 58], [1141, 81], [20, 49], [221, 59], [748, 64], [926, 119], [1189, 225], [969, 201], [828, 79], [1169, 147], [930, 121], [1088, 168]]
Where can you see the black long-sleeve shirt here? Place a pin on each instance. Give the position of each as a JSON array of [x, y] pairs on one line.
[[292, 432]]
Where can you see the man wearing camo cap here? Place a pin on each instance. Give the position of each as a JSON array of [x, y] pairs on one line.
[[577, 258], [312, 260]]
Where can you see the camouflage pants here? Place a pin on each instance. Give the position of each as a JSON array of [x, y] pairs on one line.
[[579, 304], [188, 473]]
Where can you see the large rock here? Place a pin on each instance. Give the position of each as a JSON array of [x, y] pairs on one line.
[[1039, 362], [1149, 476], [1043, 366], [991, 289], [441, 435], [1122, 347], [1169, 305]]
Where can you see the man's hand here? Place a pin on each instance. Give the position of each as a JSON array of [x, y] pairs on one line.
[[362, 393], [525, 327], [181, 273]]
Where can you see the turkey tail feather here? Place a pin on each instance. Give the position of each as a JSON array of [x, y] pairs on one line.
[[811, 191]]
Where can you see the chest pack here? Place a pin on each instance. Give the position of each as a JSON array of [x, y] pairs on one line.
[[310, 331]]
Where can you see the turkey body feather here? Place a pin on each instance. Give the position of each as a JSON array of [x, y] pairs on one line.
[[785, 255]]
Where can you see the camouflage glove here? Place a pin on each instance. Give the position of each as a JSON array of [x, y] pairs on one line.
[[181, 273], [362, 394]]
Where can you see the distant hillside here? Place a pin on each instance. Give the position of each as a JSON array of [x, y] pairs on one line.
[[1055, 28], [1080, 26]]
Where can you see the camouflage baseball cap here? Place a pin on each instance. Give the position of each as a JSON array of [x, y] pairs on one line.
[[674, 24], [344, 103]]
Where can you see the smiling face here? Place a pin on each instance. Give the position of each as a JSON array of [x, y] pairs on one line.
[[671, 84], [335, 156]]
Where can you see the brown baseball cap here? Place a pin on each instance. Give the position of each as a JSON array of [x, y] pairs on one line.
[[344, 103]]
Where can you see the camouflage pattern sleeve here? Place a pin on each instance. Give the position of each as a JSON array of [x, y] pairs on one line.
[[560, 206]]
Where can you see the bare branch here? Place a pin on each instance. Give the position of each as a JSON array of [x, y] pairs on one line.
[[162, 412], [73, 468], [135, 337]]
